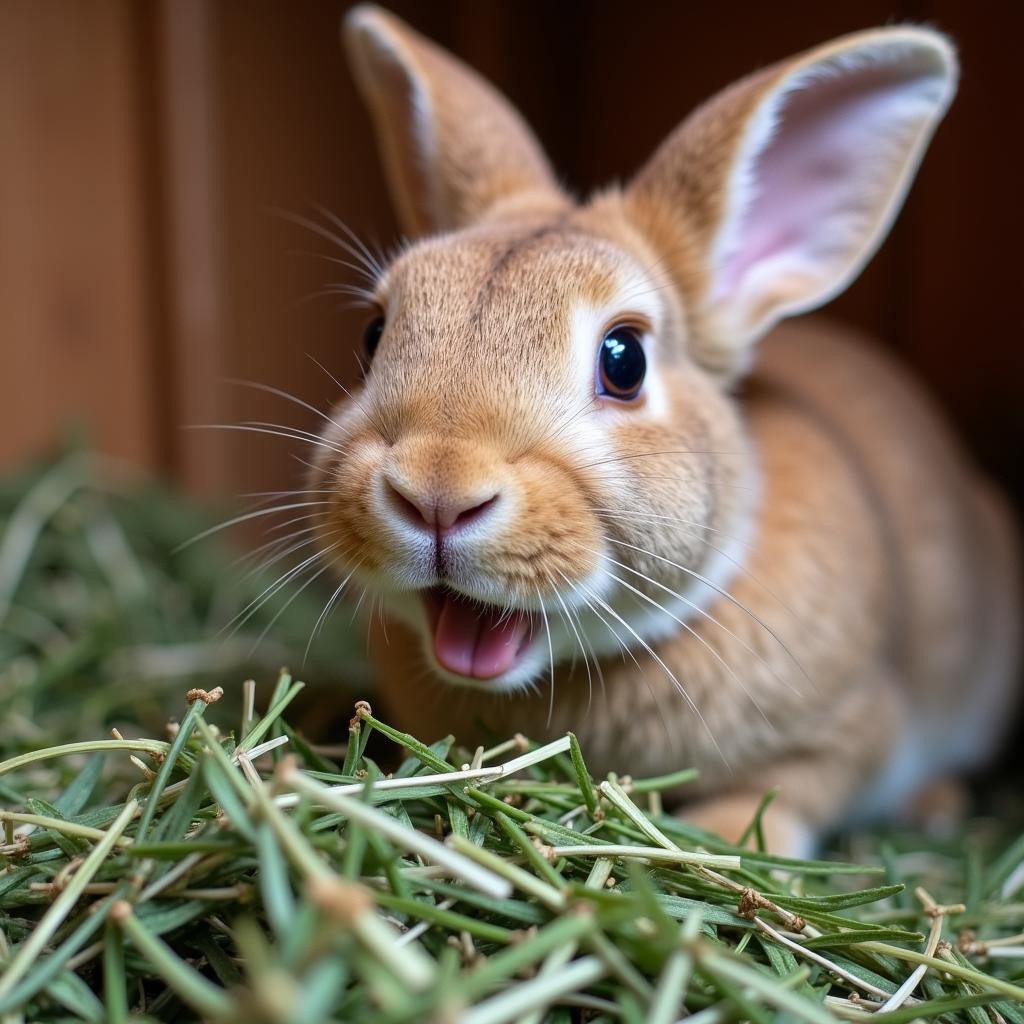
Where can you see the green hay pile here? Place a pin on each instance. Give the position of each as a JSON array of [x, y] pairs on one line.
[[225, 869], [106, 612]]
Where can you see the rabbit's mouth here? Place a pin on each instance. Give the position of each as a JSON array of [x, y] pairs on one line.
[[474, 639]]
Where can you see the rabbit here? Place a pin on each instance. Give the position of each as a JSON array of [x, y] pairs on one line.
[[592, 482]]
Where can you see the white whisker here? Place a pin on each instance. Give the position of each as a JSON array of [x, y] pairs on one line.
[[367, 266], [257, 386], [551, 658], [280, 611], [710, 649], [632, 514], [244, 518], [355, 610], [328, 606], [707, 615], [253, 428], [298, 434], [725, 593], [373, 260], [648, 455], [323, 513], [287, 494], [675, 682], [625, 650], [288, 546], [567, 618], [624, 514], [261, 599], [386, 434]]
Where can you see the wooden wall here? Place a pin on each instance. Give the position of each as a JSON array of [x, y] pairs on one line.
[[75, 329], [145, 147]]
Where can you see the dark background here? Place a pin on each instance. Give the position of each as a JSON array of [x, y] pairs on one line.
[[145, 146]]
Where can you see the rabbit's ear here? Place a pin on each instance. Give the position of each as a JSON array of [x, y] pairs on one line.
[[452, 146], [770, 198]]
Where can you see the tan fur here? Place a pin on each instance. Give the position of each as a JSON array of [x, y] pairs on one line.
[[872, 584]]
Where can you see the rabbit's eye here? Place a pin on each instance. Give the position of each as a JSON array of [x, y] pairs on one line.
[[621, 363], [372, 336]]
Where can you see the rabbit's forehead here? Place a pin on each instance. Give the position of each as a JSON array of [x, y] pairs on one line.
[[529, 285]]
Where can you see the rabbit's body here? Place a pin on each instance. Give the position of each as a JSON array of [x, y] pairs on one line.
[[572, 516], [890, 661]]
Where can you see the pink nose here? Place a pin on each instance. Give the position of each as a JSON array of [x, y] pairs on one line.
[[439, 514]]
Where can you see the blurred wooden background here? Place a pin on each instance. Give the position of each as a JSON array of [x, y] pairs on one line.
[[146, 146]]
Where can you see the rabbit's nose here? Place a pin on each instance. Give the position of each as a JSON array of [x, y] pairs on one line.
[[439, 513]]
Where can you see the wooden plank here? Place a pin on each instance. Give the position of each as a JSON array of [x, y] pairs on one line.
[[292, 135], [191, 238], [75, 341]]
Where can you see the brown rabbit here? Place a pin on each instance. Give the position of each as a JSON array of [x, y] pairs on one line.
[[589, 494]]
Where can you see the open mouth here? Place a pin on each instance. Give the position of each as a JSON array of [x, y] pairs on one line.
[[474, 639]]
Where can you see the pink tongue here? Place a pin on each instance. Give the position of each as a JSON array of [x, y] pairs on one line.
[[471, 641]]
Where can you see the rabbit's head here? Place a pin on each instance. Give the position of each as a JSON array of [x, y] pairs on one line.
[[545, 456]]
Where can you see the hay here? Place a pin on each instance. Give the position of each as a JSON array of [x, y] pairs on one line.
[[225, 869]]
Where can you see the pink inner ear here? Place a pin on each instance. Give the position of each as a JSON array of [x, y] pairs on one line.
[[810, 202]]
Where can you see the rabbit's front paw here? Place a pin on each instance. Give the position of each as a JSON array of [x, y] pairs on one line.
[[786, 834]]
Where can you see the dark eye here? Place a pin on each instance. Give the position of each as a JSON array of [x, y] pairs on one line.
[[372, 335], [621, 363]]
